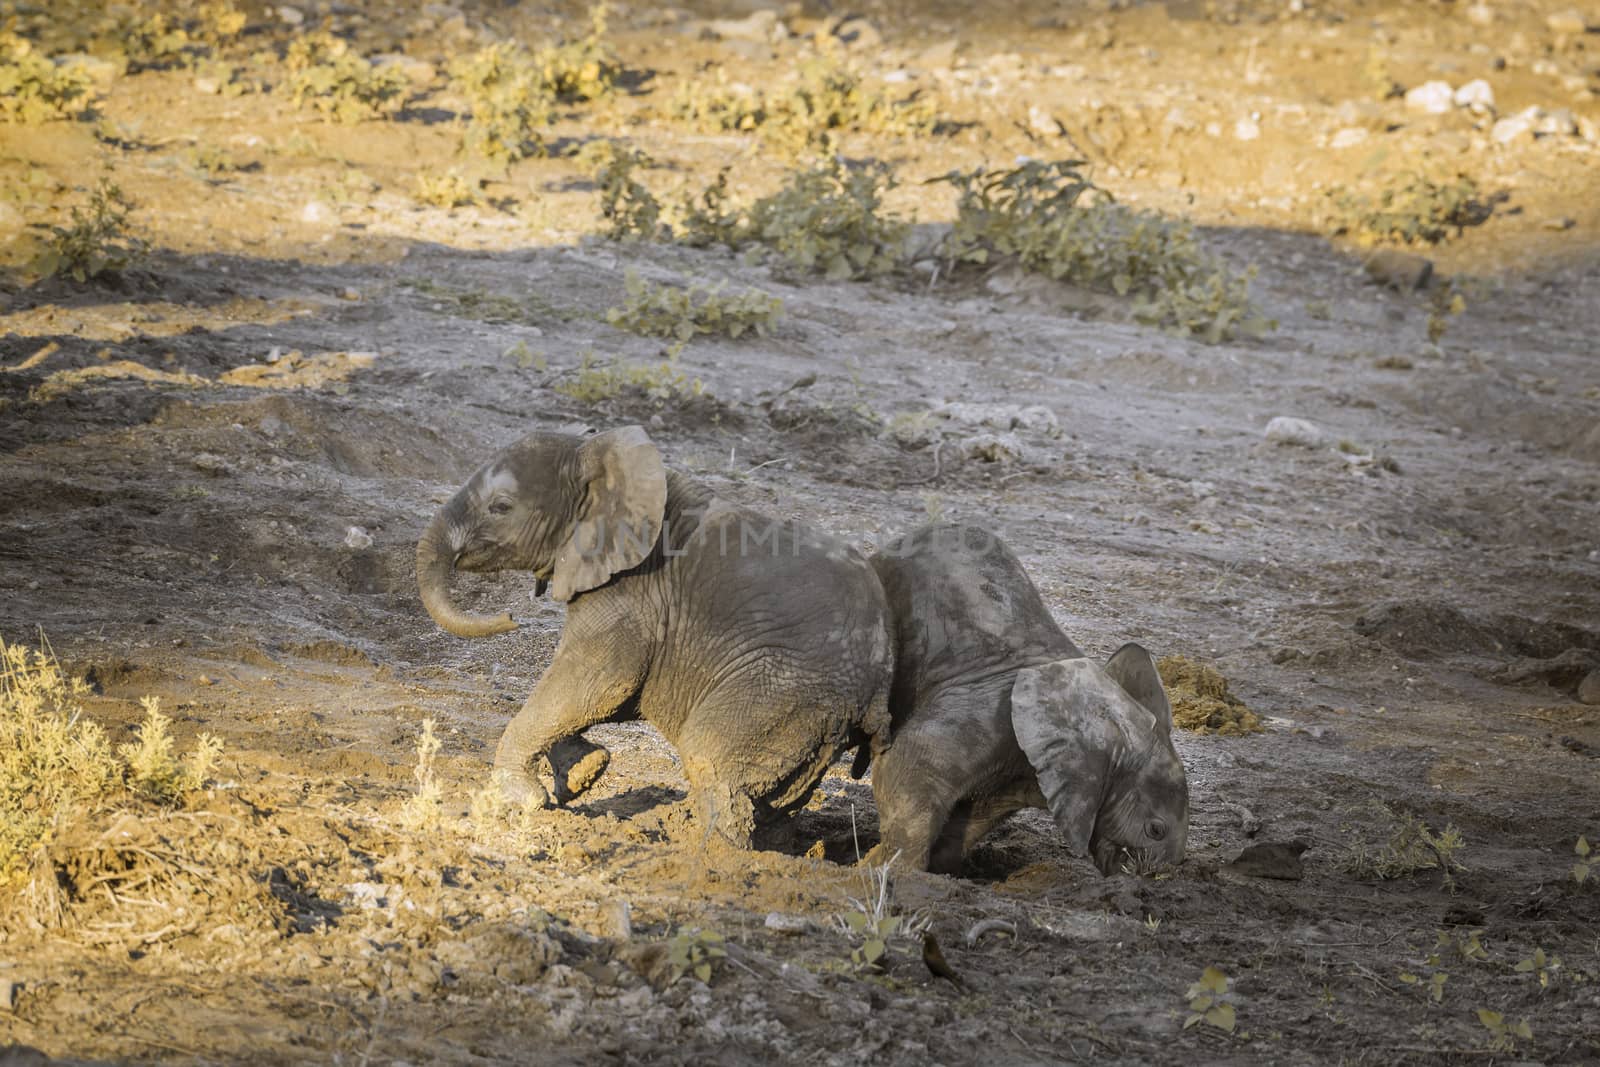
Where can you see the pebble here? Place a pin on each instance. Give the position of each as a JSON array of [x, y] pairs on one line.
[[1288, 430], [789, 925], [1569, 23], [1348, 137], [1557, 123], [1246, 129], [357, 538], [291, 15], [1480, 14], [1043, 123], [210, 462], [942, 54], [1477, 96], [1512, 127], [1589, 688], [314, 211], [1401, 271], [1431, 98]]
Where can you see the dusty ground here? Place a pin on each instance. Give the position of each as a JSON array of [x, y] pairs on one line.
[[1411, 632]]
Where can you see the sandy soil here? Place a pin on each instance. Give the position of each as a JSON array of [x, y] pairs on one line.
[[310, 350]]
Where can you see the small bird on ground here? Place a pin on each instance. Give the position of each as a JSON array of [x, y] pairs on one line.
[[934, 958]]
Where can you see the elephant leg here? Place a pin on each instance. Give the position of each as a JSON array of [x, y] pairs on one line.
[[722, 809], [970, 822], [588, 683], [576, 763]]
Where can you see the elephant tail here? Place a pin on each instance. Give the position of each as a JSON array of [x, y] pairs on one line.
[[873, 735]]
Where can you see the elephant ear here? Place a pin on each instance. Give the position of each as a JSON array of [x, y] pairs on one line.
[[1076, 723], [623, 497], [1133, 668]]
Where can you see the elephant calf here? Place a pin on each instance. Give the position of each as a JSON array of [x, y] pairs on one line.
[[760, 649], [995, 709]]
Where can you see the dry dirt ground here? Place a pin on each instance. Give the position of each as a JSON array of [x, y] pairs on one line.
[[1410, 625]]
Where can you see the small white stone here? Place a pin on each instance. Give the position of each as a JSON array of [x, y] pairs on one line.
[[1431, 98], [1246, 129], [1477, 95], [1288, 430], [356, 538], [1558, 123], [292, 15], [1480, 14], [314, 211], [1568, 23], [1043, 123], [1514, 126], [1348, 137]]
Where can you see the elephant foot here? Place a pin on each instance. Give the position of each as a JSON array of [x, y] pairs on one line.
[[726, 813], [521, 789], [577, 764]]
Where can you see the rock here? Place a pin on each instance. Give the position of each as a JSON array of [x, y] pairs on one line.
[[1476, 96], [1557, 123], [208, 86], [210, 462], [1271, 860], [1402, 271], [314, 211], [1288, 430], [1589, 688], [1480, 14], [1514, 126], [1246, 129], [762, 27], [1043, 123], [1568, 23], [291, 15], [991, 447], [1589, 129], [356, 538], [788, 925], [1431, 98], [1348, 137]]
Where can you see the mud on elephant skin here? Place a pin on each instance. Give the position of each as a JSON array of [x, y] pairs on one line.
[[759, 648], [995, 709]]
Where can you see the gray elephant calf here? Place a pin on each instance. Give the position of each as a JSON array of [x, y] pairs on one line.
[[760, 649], [995, 709]]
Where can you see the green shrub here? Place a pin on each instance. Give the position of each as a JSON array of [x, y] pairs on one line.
[[325, 75], [830, 220], [33, 89], [509, 101], [585, 69], [595, 381], [1051, 219], [96, 242], [673, 312], [448, 189], [629, 209], [1416, 211]]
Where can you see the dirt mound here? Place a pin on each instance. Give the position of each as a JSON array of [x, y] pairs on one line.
[[1201, 701], [1425, 629]]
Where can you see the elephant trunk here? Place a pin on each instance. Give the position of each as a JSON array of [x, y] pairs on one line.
[[436, 556]]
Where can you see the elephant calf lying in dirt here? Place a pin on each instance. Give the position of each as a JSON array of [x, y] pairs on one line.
[[760, 649], [995, 709]]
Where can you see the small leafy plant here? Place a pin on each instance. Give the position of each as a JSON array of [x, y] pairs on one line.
[[682, 313], [1417, 210], [342, 86], [1540, 966], [97, 241], [1434, 985], [1051, 219], [1207, 1003], [33, 89], [872, 922], [446, 189], [585, 69], [830, 220], [629, 209], [510, 103], [597, 381], [1502, 1034], [694, 952]]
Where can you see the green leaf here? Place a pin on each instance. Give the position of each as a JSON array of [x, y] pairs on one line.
[[1214, 980], [1191, 1020], [1200, 1003], [1582, 847], [703, 972], [872, 951], [1409, 979], [1222, 1017], [1492, 1019]]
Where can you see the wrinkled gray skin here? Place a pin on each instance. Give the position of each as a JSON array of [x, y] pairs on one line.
[[760, 651], [995, 709]]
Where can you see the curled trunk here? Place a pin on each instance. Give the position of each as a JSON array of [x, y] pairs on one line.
[[436, 556]]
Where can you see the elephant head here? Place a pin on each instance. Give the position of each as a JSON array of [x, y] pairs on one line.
[[573, 510], [1100, 741]]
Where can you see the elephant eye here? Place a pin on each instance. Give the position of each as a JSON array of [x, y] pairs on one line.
[[499, 507], [1155, 829]]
